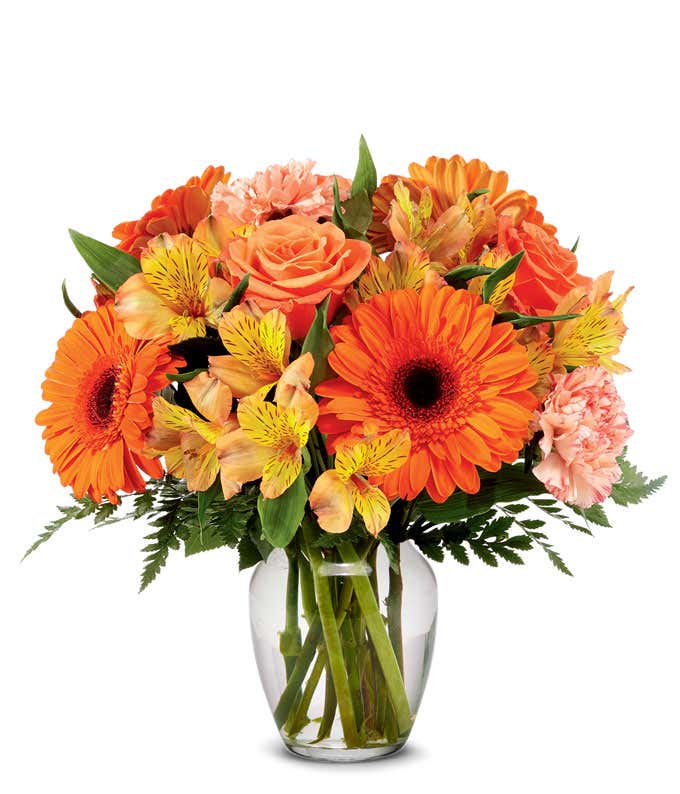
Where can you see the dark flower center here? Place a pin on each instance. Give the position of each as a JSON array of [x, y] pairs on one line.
[[101, 397], [423, 387]]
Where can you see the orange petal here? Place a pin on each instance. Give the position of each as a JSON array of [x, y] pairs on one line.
[[331, 500]]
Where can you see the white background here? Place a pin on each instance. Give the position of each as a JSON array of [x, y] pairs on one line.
[[540, 683]]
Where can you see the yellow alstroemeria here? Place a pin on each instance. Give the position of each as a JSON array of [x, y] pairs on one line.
[[268, 443], [443, 239], [493, 259], [338, 491], [188, 441], [405, 268], [174, 293], [259, 347], [594, 337]]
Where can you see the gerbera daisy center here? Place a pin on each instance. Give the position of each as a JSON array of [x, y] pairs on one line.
[[423, 385], [101, 397]]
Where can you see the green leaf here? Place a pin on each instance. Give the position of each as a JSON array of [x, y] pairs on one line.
[[527, 320], [205, 499], [508, 554], [481, 191], [237, 294], [183, 377], [281, 517], [593, 515], [68, 302], [248, 553], [143, 504], [391, 550], [319, 343], [575, 245], [157, 552], [357, 215], [484, 553], [510, 484], [633, 486], [337, 206], [82, 508], [110, 265], [459, 276], [499, 274], [459, 553], [366, 177]]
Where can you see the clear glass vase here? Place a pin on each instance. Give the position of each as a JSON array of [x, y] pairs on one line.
[[343, 641]]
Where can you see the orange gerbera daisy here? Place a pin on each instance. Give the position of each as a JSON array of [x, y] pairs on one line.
[[176, 211], [450, 182], [433, 364], [101, 385]]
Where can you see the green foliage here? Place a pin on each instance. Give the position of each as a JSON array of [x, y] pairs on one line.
[[183, 377], [281, 517], [473, 194], [459, 276], [527, 320], [509, 484], [353, 215], [75, 311], [319, 343], [82, 508], [633, 486], [366, 176], [110, 265], [237, 294], [500, 274], [487, 535]]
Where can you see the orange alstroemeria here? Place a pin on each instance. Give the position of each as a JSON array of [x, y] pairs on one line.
[[269, 441], [407, 267], [338, 491], [174, 292], [471, 185], [188, 441], [442, 237]]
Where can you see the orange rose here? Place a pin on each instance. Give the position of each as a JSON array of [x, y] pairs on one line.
[[546, 273], [294, 263]]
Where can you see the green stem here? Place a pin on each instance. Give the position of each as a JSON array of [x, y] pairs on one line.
[[329, 707], [298, 674], [300, 718], [291, 639], [307, 589], [331, 634], [381, 643], [394, 607]]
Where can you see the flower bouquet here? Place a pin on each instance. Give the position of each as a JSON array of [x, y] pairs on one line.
[[336, 378]]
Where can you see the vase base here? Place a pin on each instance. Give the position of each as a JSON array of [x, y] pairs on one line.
[[337, 752]]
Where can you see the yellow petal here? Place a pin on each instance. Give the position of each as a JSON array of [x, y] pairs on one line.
[[241, 459], [176, 267], [279, 473], [371, 503], [331, 500], [262, 343], [210, 396], [272, 426], [142, 310], [376, 457], [200, 462], [170, 416], [215, 233], [405, 268], [184, 327]]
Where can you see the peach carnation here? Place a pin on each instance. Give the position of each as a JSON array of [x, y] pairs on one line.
[[278, 191], [584, 429]]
